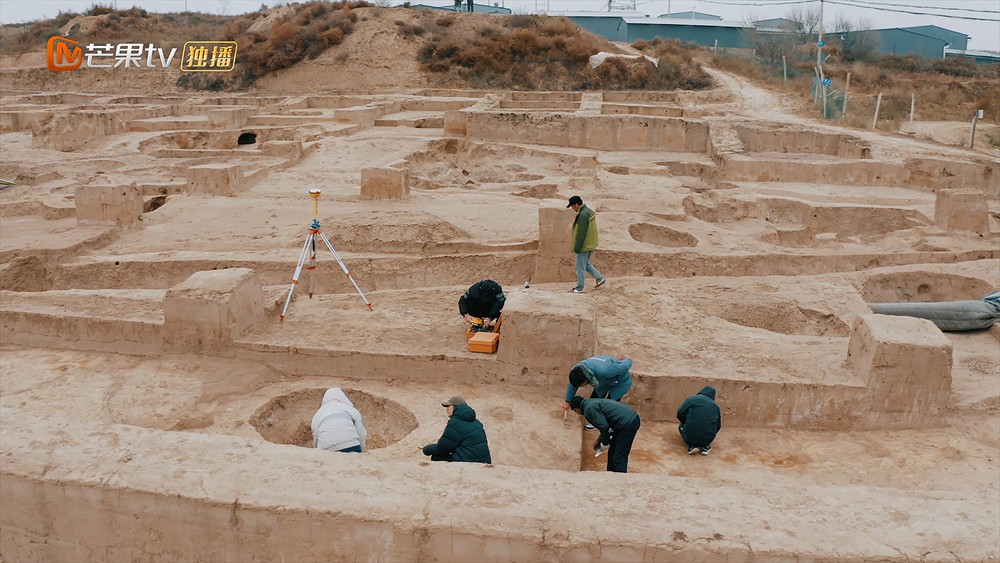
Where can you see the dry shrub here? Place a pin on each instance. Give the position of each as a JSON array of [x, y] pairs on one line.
[[133, 25], [100, 10], [313, 28], [640, 74], [957, 67], [445, 21], [521, 21], [409, 30], [333, 36], [642, 45], [540, 52]]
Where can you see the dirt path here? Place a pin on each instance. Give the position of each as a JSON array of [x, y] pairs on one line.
[[781, 107]]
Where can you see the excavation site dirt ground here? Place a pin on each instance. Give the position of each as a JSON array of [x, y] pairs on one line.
[[153, 404]]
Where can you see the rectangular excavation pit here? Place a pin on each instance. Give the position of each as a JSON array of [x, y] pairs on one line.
[[415, 119], [759, 140], [546, 96], [636, 109], [541, 105]]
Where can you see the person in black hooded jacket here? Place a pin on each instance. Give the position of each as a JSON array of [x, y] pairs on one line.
[[464, 438], [618, 424], [483, 299], [700, 420]]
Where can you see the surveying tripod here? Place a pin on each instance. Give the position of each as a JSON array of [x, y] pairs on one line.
[[309, 250]]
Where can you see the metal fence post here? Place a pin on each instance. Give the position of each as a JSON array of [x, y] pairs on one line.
[[972, 136], [878, 103], [847, 86], [913, 103]]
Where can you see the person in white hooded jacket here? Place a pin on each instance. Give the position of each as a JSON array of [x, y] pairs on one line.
[[337, 425]]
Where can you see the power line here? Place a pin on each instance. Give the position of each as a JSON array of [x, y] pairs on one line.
[[845, 3], [757, 3], [877, 4]]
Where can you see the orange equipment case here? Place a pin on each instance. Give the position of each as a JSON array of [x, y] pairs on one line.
[[484, 342]]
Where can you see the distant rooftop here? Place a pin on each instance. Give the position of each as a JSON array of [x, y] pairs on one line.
[[478, 8], [640, 18], [690, 16]]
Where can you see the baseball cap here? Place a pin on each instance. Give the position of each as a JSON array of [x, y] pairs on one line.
[[456, 400], [574, 201]]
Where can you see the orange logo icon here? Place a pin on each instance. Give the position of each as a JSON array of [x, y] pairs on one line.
[[63, 54]]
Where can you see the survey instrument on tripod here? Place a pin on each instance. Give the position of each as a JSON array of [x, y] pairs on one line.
[[309, 251]]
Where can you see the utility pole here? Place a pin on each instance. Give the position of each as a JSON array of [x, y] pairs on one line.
[[819, 42]]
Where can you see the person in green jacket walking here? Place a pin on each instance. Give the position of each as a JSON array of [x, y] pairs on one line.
[[584, 242], [464, 438]]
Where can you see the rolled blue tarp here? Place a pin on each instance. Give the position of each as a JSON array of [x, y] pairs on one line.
[[948, 315]]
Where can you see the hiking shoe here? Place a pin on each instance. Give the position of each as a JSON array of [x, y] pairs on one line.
[[692, 450], [590, 427], [706, 449], [575, 290], [600, 282]]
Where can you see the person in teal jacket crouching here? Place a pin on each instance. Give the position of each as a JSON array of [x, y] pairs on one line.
[[464, 438]]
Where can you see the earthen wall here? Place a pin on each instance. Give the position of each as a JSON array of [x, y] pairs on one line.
[[606, 132]]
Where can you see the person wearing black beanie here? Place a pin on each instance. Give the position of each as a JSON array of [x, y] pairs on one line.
[[618, 424], [609, 376]]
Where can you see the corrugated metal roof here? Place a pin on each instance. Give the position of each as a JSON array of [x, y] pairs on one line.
[[634, 18], [683, 23], [607, 15]]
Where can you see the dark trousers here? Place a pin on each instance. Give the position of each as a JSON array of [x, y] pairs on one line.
[[690, 443], [621, 446]]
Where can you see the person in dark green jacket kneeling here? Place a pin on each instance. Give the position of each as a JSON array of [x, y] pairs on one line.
[[464, 438], [700, 420]]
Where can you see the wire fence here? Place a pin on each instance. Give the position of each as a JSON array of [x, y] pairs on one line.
[[829, 98]]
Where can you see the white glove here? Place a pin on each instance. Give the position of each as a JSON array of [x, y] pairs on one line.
[[601, 448]]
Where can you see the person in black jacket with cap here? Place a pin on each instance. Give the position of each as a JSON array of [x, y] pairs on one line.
[[700, 420], [464, 438], [618, 424], [483, 299]]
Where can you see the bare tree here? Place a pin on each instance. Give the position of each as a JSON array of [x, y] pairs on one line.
[[804, 22], [857, 42], [769, 44]]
